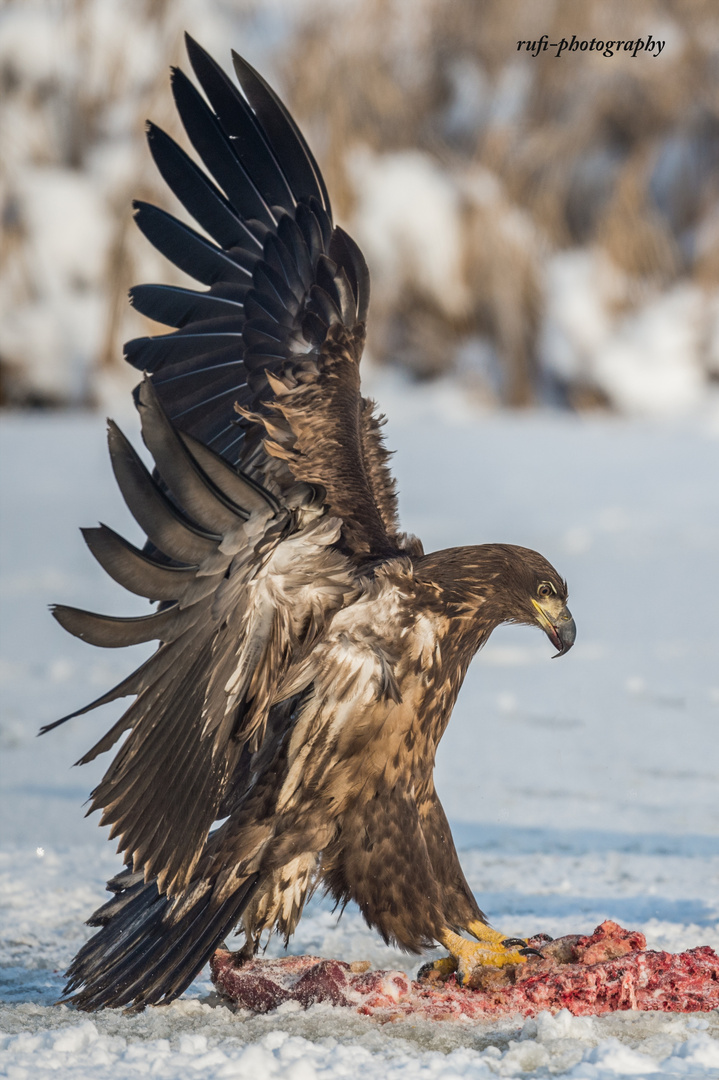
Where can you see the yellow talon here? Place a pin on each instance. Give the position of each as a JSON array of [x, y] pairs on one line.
[[487, 952]]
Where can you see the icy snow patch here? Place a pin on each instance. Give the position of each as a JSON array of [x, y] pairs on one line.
[[190, 1037]]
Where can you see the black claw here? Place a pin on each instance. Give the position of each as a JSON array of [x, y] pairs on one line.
[[513, 942], [529, 951]]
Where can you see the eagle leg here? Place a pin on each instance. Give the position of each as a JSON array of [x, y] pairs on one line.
[[494, 951]]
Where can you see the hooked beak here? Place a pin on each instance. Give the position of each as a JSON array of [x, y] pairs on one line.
[[560, 629]]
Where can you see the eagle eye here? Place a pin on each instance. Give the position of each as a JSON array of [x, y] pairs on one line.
[[546, 589]]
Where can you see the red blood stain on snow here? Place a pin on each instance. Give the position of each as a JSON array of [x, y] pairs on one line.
[[608, 970]]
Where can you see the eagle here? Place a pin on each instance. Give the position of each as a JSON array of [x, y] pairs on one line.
[[282, 735]]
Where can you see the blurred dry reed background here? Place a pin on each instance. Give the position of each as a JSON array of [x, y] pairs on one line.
[[543, 229]]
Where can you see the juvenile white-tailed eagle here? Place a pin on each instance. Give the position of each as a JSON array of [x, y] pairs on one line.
[[310, 653]]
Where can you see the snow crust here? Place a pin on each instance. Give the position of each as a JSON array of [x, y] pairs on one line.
[[578, 790]]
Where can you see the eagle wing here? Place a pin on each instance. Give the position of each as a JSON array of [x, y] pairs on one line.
[[271, 485], [249, 586], [263, 366]]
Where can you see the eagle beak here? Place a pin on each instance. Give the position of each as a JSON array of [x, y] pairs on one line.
[[560, 628]]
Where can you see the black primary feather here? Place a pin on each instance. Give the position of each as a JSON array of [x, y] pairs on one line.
[[186, 248], [198, 195], [249, 141], [294, 155], [174, 306], [217, 152]]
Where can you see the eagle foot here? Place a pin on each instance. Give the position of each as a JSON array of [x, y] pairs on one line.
[[492, 950], [438, 970]]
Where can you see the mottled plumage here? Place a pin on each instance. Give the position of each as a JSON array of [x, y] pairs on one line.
[[283, 734]]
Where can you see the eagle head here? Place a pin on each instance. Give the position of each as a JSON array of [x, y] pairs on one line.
[[532, 592], [500, 583]]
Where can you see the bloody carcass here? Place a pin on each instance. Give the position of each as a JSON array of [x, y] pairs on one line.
[[608, 970]]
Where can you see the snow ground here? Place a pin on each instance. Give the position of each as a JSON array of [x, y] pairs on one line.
[[578, 790]]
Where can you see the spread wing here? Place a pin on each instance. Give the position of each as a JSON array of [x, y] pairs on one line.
[[271, 488], [249, 587], [263, 366]]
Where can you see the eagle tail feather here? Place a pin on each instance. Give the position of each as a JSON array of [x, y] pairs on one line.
[[149, 946]]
